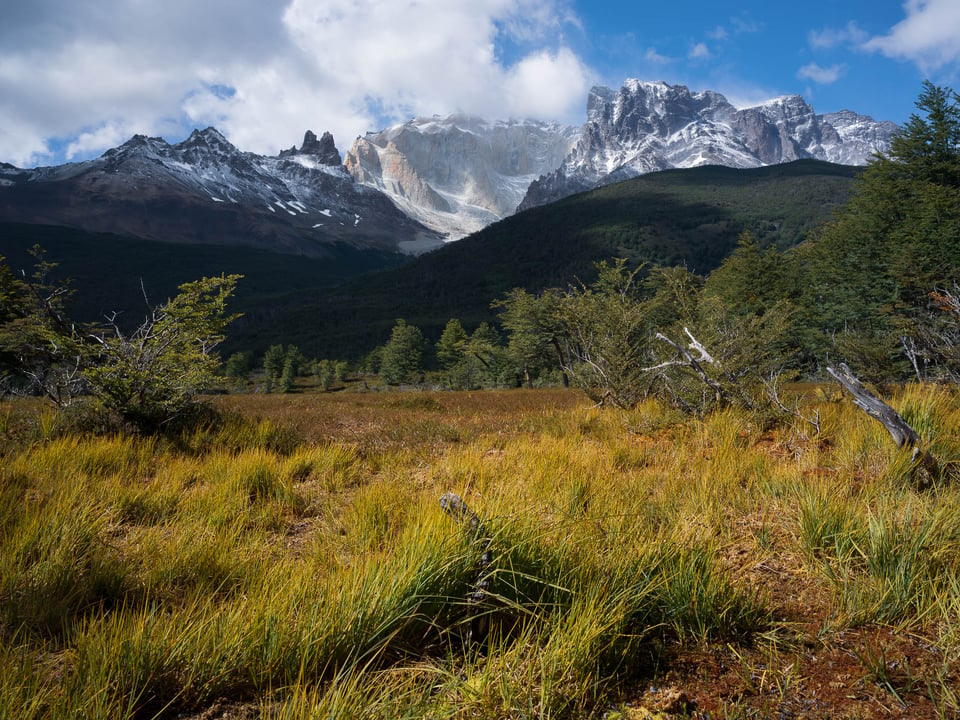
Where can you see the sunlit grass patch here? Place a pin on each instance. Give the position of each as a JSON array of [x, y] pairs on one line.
[[320, 578], [55, 561]]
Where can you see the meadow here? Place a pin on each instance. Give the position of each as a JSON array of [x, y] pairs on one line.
[[290, 559]]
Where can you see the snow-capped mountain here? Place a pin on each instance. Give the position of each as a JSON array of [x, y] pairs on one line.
[[412, 186], [457, 174], [205, 190], [648, 126]]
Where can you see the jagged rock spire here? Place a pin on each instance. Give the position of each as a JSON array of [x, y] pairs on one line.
[[324, 149]]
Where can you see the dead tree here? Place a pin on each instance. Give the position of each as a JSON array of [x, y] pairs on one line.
[[903, 435], [479, 620]]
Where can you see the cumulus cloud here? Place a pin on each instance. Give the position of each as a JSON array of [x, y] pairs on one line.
[[84, 76], [540, 85], [928, 36], [822, 75]]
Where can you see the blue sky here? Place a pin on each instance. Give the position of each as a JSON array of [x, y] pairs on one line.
[[77, 78]]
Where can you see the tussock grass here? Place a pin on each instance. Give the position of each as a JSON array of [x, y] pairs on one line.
[[315, 578]]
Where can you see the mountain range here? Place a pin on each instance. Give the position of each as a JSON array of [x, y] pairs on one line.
[[410, 187], [650, 126], [302, 225]]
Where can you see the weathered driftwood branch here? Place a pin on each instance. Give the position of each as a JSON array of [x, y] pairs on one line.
[[903, 435], [454, 506]]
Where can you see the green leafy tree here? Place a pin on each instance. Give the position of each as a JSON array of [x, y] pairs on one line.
[[373, 361], [273, 361], [324, 373], [751, 280], [674, 295], [607, 331], [926, 148], [402, 357], [535, 330], [153, 374], [238, 364], [288, 375]]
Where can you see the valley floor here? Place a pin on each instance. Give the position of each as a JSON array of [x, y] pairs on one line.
[[293, 561]]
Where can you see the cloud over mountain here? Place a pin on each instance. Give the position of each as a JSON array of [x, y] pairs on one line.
[[77, 78]]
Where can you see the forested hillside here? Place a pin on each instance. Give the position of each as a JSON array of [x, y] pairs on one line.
[[687, 217]]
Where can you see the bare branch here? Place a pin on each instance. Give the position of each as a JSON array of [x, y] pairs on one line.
[[771, 385], [695, 345], [695, 366]]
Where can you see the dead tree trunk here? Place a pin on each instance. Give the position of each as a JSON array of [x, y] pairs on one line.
[[903, 435], [479, 620], [692, 363]]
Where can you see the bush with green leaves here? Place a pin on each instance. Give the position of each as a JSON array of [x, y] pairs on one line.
[[625, 337], [41, 349], [153, 374]]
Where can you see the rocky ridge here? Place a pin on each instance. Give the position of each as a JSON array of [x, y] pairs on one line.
[[205, 190], [412, 186]]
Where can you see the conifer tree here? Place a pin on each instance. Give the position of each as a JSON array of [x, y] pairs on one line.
[[869, 272], [402, 357]]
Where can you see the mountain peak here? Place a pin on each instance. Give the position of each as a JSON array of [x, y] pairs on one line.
[[458, 173], [208, 137]]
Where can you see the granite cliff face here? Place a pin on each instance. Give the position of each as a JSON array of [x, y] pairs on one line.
[[648, 126], [457, 174], [205, 190]]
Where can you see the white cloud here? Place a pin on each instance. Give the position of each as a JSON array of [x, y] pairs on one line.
[[652, 56], [546, 84], [110, 134], [822, 75], [83, 75], [699, 52], [832, 37], [929, 35], [718, 33]]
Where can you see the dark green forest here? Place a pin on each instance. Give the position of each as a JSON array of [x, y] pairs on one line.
[[690, 217]]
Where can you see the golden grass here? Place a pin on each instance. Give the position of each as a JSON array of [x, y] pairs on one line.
[[297, 562]]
